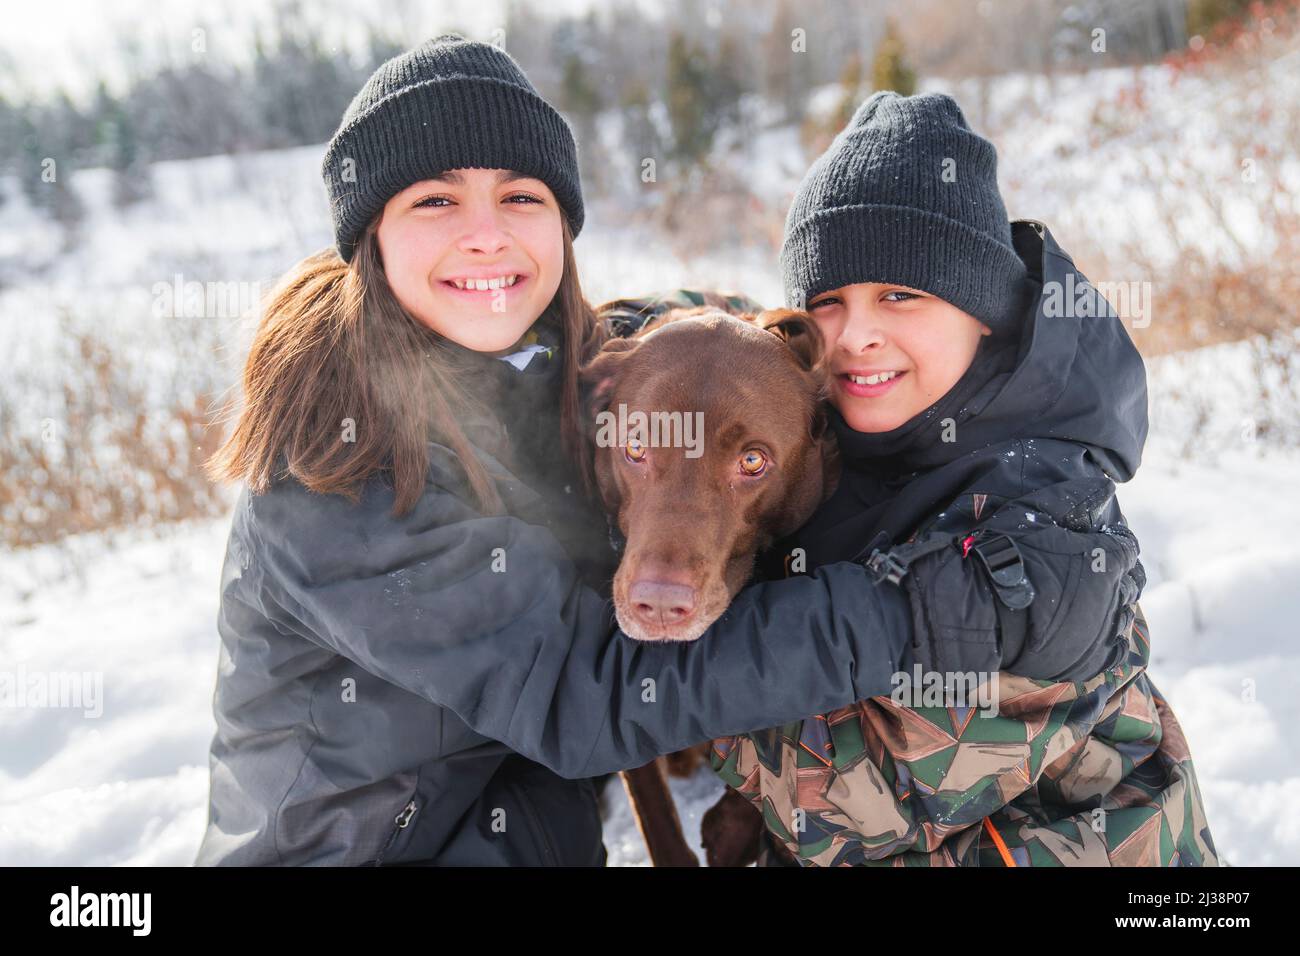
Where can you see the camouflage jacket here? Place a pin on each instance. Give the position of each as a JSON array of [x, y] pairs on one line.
[[1094, 773]]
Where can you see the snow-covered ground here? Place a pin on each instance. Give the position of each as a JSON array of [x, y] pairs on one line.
[[129, 786], [129, 619]]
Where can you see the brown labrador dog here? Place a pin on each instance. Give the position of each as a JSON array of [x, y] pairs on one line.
[[710, 443]]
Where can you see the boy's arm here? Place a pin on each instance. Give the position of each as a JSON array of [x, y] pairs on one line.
[[1047, 583], [1031, 570]]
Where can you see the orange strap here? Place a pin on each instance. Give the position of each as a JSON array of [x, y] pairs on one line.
[[997, 841]]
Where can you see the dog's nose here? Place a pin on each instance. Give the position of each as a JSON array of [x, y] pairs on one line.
[[661, 603]]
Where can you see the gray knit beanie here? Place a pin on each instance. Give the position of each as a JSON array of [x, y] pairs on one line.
[[906, 194], [450, 103]]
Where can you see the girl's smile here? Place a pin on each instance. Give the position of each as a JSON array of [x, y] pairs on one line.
[[474, 254], [484, 285], [502, 290]]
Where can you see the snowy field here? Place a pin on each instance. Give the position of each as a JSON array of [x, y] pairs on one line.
[[129, 787], [123, 780]]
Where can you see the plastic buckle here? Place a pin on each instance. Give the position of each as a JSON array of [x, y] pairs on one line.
[[885, 566], [1001, 558]]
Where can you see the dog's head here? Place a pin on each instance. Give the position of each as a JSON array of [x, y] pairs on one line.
[[710, 442]]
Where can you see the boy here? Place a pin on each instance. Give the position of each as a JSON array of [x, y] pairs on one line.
[[980, 438]]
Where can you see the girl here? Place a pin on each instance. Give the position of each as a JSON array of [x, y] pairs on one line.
[[977, 425], [414, 612]]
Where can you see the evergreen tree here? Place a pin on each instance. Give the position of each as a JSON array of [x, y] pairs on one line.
[[688, 94], [1204, 15], [890, 71]]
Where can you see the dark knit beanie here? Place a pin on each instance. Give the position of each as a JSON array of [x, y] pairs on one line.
[[450, 103], [906, 194]]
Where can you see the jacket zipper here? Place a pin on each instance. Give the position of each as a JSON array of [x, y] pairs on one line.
[[402, 820]]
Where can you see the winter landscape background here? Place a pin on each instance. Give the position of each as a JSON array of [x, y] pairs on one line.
[[1174, 166]]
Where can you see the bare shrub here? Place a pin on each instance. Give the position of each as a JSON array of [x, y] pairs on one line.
[[115, 437]]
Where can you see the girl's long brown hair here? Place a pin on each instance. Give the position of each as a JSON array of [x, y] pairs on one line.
[[335, 345]]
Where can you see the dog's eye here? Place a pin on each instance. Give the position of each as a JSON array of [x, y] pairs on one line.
[[753, 463], [634, 450]]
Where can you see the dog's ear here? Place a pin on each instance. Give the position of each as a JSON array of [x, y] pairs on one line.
[[819, 476], [799, 331], [596, 378]]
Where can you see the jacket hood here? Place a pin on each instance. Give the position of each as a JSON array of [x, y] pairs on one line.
[[1073, 374]]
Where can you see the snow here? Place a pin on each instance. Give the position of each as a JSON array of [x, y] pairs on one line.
[[693, 796], [130, 787], [1214, 504]]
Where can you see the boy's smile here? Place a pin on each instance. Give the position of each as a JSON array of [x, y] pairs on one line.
[[894, 351], [865, 383]]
